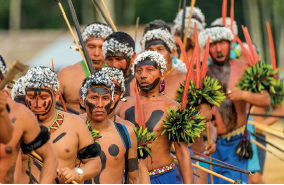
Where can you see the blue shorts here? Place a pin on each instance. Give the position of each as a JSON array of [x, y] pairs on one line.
[[168, 177], [226, 151], [261, 153], [178, 174], [253, 164]]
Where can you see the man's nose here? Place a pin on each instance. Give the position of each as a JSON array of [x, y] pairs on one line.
[[99, 103], [97, 51], [37, 104], [218, 47]]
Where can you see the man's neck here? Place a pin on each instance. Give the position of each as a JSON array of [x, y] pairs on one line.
[[111, 116], [49, 120], [99, 125], [151, 93], [189, 53]]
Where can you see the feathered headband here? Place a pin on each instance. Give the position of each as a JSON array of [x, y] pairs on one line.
[[3, 69], [39, 77], [97, 31], [18, 88], [158, 34], [196, 12], [152, 55], [228, 24], [216, 34], [200, 27], [99, 78], [117, 47]]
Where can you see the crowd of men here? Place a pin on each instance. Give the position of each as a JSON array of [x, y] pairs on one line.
[[99, 145]]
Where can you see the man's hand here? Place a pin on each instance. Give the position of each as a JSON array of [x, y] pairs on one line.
[[3, 102], [235, 94], [210, 147], [68, 175]]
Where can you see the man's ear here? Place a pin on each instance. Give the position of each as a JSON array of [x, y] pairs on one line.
[[57, 95], [173, 52], [141, 44], [164, 75], [134, 55], [81, 102]]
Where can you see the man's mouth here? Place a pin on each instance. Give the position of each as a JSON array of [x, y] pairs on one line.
[[144, 83], [38, 112], [220, 55], [96, 61]]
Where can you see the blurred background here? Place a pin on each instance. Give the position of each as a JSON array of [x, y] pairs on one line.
[[34, 32]]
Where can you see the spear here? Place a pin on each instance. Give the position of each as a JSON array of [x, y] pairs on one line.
[[197, 63], [139, 108], [271, 46], [109, 17], [263, 140], [267, 129], [210, 158], [182, 23], [232, 15], [224, 12], [204, 67], [264, 148], [136, 28], [250, 46], [89, 64], [188, 23], [72, 33], [267, 115]]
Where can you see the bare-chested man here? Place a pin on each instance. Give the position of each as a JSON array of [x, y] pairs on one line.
[[68, 133], [119, 51], [6, 128], [119, 143], [72, 77], [150, 69], [18, 91], [231, 116], [26, 130]]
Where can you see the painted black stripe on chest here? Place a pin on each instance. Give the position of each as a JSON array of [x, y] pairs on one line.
[[155, 117], [59, 137]]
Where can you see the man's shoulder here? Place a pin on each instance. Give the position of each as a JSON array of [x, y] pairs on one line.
[[70, 69], [73, 119], [170, 103], [239, 63]]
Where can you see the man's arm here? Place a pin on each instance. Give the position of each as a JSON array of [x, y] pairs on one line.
[[271, 120], [211, 146], [133, 171], [46, 152], [92, 165], [61, 77], [184, 161], [257, 99], [6, 128]]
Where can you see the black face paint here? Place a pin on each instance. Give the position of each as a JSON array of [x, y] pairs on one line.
[[157, 42], [112, 54], [147, 62], [100, 90], [44, 103], [113, 150], [107, 107], [91, 107], [151, 86], [38, 92]]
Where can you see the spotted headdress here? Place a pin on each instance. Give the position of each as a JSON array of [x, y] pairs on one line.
[[18, 88], [152, 55], [216, 34], [228, 24], [96, 30], [39, 77], [196, 15], [116, 75], [199, 26], [99, 78], [3, 69], [117, 47], [158, 34]]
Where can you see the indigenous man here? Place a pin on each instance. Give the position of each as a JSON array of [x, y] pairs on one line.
[[69, 135], [199, 19], [231, 116], [150, 69], [71, 77], [26, 130], [119, 143], [119, 51], [18, 91]]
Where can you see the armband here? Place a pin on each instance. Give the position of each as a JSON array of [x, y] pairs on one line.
[[90, 151], [38, 142]]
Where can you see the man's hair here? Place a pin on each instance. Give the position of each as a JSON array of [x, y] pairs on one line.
[[96, 30], [100, 78], [156, 24], [122, 37], [39, 77], [3, 68]]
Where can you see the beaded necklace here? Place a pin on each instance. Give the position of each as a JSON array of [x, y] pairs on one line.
[[153, 96], [57, 122], [170, 71], [95, 134]]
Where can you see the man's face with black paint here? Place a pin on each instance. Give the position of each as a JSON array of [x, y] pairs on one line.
[[98, 102], [41, 102], [220, 52], [148, 75], [118, 60], [161, 49], [94, 49]]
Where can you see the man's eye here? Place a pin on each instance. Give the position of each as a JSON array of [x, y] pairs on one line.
[[150, 69]]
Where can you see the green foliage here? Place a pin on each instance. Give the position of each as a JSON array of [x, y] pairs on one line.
[[95, 134], [210, 93], [278, 98], [257, 78], [144, 140], [183, 125]]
